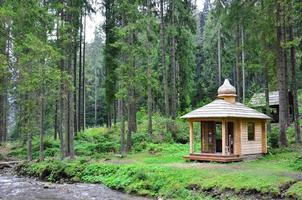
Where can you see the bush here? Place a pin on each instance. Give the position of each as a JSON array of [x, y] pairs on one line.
[[273, 137], [297, 164]]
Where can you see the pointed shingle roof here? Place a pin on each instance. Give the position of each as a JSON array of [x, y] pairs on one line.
[[220, 108]]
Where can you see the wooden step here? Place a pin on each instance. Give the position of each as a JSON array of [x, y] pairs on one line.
[[213, 158]]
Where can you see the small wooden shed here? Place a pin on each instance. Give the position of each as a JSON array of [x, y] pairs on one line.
[[230, 130], [258, 101]]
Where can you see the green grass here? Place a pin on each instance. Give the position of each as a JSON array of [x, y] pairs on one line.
[[160, 170], [295, 191]]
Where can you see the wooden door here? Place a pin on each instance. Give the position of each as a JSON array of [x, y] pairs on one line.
[[209, 137]]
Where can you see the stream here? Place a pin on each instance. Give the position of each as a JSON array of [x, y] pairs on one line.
[[21, 188]]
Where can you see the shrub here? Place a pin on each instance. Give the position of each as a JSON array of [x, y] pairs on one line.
[[273, 137], [297, 164]]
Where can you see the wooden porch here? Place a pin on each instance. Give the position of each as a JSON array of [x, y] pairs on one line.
[[214, 157], [220, 140]]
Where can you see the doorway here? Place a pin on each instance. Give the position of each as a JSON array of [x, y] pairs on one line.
[[230, 138], [211, 137]]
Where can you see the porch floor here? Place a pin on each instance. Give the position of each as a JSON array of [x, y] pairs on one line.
[[214, 157]]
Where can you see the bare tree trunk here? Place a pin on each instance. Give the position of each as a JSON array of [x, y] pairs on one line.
[[149, 102], [173, 68], [71, 113], [238, 77], [131, 118], [266, 90], [149, 73], [2, 112], [114, 112], [56, 121], [163, 58], [95, 96], [41, 155], [29, 144], [294, 87], [122, 121], [284, 38], [219, 54], [243, 64], [80, 76], [29, 131], [75, 49], [61, 111], [281, 72], [2, 90], [84, 63]]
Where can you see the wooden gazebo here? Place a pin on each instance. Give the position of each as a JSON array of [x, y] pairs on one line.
[[230, 130]]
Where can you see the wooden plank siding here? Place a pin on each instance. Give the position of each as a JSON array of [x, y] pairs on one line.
[[251, 147]]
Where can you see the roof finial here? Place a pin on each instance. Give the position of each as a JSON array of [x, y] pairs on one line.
[[226, 90]]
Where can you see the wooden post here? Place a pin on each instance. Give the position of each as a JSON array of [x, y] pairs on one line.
[[264, 137], [201, 136], [191, 137], [237, 138], [223, 136]]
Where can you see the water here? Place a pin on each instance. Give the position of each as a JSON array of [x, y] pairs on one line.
[[16, 188]]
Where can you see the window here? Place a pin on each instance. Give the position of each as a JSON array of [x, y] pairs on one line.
[[251, 131]]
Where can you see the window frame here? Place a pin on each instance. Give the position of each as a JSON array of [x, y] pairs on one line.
[[248, 131]]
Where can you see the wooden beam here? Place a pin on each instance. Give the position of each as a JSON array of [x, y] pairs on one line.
[[237, 138], [201, 136], [264, 137], [191, 137], [223, 131]]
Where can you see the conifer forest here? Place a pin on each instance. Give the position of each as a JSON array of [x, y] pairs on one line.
[[93, 91]]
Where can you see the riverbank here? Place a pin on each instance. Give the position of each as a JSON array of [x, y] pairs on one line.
[[157, 169], [270, 177]]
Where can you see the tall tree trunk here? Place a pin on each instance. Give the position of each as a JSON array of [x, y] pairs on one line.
[[173, 67], [41, 155], [28, 130], [149, 72], [122, 122], [3, 89], [61, 111], [238, 77], [2, 112], [165, 67], [95, 96], [80, 76], [281, 73], [266, 91], [243, 64], [71, 111], [149, 101], [219, 53], [294, 87], [75, 49], [83, 82], [285, 54], [131, 118], [29, 144], [56, 121]]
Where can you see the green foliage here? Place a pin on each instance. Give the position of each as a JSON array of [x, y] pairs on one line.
[[295, 191], [273, 137], [95, 141], [297, 164]]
